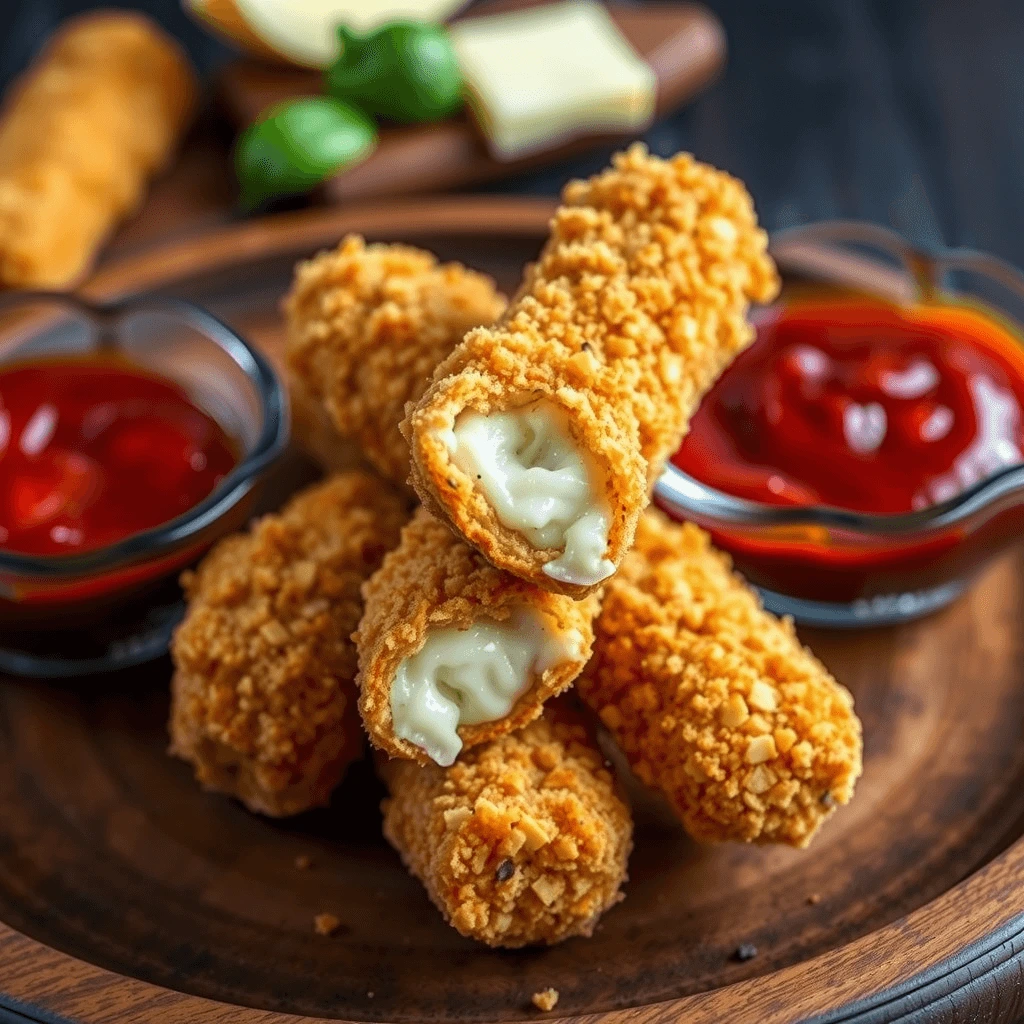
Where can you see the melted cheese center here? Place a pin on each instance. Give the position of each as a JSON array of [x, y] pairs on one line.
[[528, 468], [468, 676]]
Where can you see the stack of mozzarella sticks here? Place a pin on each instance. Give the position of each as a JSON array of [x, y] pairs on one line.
[[532, 435]]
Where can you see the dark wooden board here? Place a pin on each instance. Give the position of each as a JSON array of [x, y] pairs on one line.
[[683, 43], [128, 895]]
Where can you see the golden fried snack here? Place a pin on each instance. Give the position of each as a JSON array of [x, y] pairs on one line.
[[367, 325], [524, 840], [81, 133], [453, 652], [586, 387], [713, 700], [263, 700]]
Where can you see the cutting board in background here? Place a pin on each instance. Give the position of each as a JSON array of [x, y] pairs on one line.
[[683, 43]]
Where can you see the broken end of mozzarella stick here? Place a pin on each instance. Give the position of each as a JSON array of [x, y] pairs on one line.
[[367, 325], [713, 700], [453, 652], [539, 439], [263, 696], [523, 841]]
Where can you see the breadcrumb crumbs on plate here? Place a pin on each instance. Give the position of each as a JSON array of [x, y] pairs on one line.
[[545, 1000], [326, 924]]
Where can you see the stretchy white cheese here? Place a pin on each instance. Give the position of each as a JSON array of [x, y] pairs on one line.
[[525, 464], [468, 676]]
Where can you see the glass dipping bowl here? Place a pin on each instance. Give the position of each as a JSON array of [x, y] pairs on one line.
[[831, 567], [63, 615]]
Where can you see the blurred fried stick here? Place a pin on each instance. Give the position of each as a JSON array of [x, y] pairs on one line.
[[263, 696], [81, 133], [367, 324]]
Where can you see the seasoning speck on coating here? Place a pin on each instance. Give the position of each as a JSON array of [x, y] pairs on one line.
[[713, 700], [263, 696]]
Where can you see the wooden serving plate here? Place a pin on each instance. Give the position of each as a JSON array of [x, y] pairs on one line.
[[683, 42], [127, 895]]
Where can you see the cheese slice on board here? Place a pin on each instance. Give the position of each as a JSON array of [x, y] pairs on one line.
[[548, 74]]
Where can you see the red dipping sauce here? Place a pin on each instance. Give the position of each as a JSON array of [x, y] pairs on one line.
[[93, 450], [861, 405], [847, 401]]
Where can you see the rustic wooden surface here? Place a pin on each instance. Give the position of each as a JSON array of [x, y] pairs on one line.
[[127, 895], [683, 43]]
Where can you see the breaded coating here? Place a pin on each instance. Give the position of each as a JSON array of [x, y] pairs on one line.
[[263, 701], [313, 431], [367, 325], [433, 580], [713, 700], [81, 133], [522, 841], [636, 305]]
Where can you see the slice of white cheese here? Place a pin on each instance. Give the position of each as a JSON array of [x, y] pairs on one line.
[[305, 31], [548, 74]]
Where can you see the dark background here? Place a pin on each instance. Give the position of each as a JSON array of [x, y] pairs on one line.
[[905, 112]]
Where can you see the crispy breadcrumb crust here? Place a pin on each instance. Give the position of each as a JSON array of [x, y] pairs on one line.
[[713, 700], [433, 580], [81, 133], [522, 841], [263, 702], [315, 433], [367, 325], [637, 303]]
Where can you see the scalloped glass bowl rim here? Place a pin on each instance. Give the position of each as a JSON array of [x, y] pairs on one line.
[[171, 536], [683, 495]]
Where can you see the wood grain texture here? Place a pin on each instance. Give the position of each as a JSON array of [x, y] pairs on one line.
[[127, 895], [683, 43]]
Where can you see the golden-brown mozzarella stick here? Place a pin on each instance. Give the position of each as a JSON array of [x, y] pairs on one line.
[[538, 439], [80, 135], [713, 700], [263, 693], [453, 652], [367, 325], [524, 840]]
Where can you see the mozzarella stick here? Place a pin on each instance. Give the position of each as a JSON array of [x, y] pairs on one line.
[[263, 696], [453, 652], [539, 439], [523, 841], [82, 132], [713, 700], [367, 325]]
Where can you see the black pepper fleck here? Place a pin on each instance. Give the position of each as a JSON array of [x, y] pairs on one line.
[[585, 347], [505, 870], [744, 952]]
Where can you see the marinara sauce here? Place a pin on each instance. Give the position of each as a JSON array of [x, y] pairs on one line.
[[95, 449], [850, 402], [862, 405]]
